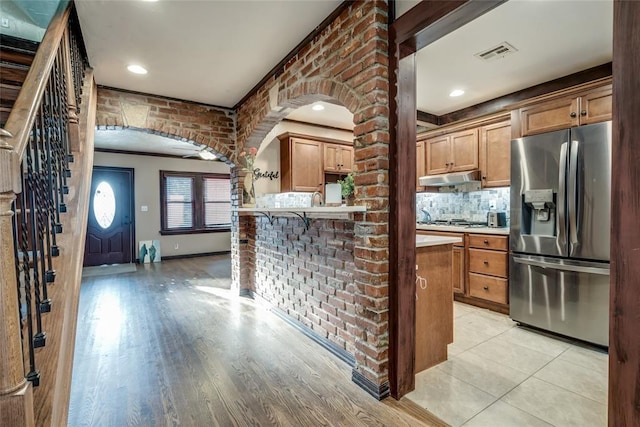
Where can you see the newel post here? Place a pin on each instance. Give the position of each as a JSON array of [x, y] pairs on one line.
[[16, 394]]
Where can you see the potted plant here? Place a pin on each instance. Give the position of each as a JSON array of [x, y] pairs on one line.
[[348, 189]]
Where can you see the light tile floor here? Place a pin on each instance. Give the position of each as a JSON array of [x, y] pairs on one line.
[[499, 374]]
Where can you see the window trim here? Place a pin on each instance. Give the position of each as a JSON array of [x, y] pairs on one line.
[[198, 203]]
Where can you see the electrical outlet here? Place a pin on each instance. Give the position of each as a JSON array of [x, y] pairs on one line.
[[493, 204], [5, 22]]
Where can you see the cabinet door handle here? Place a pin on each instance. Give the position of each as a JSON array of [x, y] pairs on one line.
[[486, 288], [573, 115], [583, 112], [484, 178]]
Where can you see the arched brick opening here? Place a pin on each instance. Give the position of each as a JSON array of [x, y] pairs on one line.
[[181, 120], [340, 265], [224, 158]]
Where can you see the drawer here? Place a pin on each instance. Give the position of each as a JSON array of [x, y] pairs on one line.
[[488, 241], [488, 288], [488, 262]]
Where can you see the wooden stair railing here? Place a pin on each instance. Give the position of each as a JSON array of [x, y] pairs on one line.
[[41, 134]]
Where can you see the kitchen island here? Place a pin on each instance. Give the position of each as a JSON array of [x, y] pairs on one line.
[[434, 299]]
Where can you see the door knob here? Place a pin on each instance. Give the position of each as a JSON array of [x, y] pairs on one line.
[[583, 112], [573, 114]]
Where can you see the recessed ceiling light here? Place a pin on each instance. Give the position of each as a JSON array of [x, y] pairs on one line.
[[456, 92], [137, 69], [318, 107]]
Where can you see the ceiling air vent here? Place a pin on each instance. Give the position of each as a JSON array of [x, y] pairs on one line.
[[496, 52]]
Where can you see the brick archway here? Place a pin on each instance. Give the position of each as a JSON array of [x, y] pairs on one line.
[[340, 265], [181, 120]]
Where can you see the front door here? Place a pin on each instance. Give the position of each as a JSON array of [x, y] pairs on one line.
[[110, 223]]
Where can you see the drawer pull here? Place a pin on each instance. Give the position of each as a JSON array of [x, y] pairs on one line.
[[486, 242], [486, 262], [486, 288]]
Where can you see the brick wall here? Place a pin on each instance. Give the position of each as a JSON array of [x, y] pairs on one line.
[[346, 63], [308, 274]]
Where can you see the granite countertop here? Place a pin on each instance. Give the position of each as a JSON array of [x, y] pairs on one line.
[[423, 241], [322, 209], [462, 229]]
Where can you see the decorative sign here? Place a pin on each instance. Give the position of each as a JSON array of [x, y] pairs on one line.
[[257, 174]]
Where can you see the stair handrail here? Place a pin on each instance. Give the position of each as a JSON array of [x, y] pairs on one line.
[[16, 396], [15, 135]]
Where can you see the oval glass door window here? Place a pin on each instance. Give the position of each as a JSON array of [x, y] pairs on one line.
[[104, 204]]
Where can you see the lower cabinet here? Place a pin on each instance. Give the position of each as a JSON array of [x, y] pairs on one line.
[[480, 273], [458, 273]]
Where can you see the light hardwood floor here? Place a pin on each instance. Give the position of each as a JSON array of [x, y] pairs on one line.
[[171, 345]]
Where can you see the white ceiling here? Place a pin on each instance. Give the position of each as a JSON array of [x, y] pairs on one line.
[[212, 52], [215, 51], [553, 38]]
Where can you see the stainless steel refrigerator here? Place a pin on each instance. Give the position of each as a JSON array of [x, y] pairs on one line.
[[559, 236]]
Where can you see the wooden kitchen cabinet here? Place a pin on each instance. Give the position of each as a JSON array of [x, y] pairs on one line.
[[420, 164], [338, 158], [591, 106], [489, 268], [454, 152], [495, 154], [434, 306], [300, 165], [458, 273], [480, 273]]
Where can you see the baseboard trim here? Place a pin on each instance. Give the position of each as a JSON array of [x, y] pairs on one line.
[[246, 293], [170, 257], [331, 347], [379, 391]]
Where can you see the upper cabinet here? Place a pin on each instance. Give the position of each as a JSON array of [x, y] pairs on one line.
[[495, 154], [453, 152], [338, 158], [300, 165], [307, 162], [591, 106]]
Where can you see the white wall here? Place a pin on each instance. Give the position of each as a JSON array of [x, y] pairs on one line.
[[147, 193], [268, 158]]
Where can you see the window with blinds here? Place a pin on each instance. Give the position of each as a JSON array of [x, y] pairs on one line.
[[217, 202], [195, 202]]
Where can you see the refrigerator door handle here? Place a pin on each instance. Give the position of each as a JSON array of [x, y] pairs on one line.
[[561, 225], [573, 192], [562, 267]]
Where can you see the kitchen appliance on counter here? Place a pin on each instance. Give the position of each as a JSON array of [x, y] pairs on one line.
[[559, 235], [496, 219]]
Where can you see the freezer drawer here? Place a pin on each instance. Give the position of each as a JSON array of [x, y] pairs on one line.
[[567, 297]]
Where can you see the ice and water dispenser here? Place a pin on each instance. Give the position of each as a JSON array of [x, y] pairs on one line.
[[539, 212]]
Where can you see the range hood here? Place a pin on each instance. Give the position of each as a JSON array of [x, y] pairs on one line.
[[453, 178]]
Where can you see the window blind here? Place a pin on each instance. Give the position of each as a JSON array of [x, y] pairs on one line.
[[217, 203], [180, 201]]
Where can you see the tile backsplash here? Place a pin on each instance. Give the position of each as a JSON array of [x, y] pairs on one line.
[[472, 205], [284, 200]]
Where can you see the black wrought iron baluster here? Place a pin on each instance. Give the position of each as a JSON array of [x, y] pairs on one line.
[[63, 111], [16, 255], [39, 339], [40, 211], [54, 217], [50, 228], [54, 120], [33, 375]]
